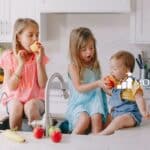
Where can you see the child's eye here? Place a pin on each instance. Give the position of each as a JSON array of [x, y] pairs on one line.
[[30, 35], [83, 49], [92, 48]]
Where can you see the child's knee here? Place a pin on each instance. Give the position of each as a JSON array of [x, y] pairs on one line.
[[85, 120], [124, 121], [31, 106]]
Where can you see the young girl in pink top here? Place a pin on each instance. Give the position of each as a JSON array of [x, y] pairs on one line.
[[24, 74]]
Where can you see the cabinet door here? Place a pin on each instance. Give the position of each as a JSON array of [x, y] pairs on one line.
[[5, 20], [10, 10], [140, 21], [24, 9]]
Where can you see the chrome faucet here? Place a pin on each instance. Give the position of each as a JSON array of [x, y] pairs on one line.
[[47, 121]]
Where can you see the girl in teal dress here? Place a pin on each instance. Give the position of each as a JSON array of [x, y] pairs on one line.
[[87, 106]]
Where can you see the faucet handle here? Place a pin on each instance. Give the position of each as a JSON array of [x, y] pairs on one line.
[[65, 93]]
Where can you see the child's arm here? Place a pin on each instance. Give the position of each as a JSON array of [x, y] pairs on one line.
[[141, 104], [41, 72], [12, 79], [74, 73], [42, 76], [106, 87]]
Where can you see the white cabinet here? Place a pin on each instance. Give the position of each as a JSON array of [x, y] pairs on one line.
[[140, 21], [24, 9], [78, 7], [5, 20], [94, 6], [10, 10]]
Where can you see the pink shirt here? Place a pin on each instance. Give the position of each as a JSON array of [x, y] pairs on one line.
[[28, 87]]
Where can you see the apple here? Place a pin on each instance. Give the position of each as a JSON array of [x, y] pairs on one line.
[[38, 132], [56, 136], [52, 129], [110, 81], [34, 47]]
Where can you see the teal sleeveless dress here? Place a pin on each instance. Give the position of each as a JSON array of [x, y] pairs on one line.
[[91, 102]]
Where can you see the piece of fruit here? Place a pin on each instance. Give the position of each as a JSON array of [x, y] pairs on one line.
[[38, 132], [52, 129], [56, 136], [34, 46], [110, 81], [13, 135]]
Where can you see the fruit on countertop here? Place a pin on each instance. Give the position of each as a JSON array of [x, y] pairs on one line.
[[55, 134], [52, 129], [14, 136], [38, 132]]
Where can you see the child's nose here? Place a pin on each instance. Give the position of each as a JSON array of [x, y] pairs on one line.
[[88, 50]]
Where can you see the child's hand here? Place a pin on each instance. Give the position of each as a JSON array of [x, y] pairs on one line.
[[146, 115], [21, 56], [38, 49]]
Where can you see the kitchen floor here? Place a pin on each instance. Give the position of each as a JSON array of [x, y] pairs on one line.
[[127, 139]]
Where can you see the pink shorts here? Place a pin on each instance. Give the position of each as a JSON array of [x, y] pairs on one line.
[[40, 103]]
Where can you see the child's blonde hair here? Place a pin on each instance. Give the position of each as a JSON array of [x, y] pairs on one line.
[[19, 26], [78, 39], [126, 57]]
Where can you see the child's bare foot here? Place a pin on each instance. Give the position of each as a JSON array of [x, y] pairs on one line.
[[106, 133]]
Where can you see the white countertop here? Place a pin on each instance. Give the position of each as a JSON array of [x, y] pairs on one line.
[[128, 139]]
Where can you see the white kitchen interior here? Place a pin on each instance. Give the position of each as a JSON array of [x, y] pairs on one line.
[[116, 24]]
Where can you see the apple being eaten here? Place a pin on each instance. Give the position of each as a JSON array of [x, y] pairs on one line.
[[38, 132], [110, 81], [35, 46]]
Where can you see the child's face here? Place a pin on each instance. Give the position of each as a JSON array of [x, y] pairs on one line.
[[87, 52], [28, 37], [118, 69]]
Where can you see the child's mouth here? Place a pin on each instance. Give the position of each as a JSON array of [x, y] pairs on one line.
[[88, 57]]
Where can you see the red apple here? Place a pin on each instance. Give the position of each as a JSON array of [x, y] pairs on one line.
[[38, 132], [110, 81], [56, 136], [52, 129]]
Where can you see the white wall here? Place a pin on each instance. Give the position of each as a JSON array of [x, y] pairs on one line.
[[112, 32]]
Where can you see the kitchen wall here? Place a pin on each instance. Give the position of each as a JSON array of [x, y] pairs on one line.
[[112, 32]]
